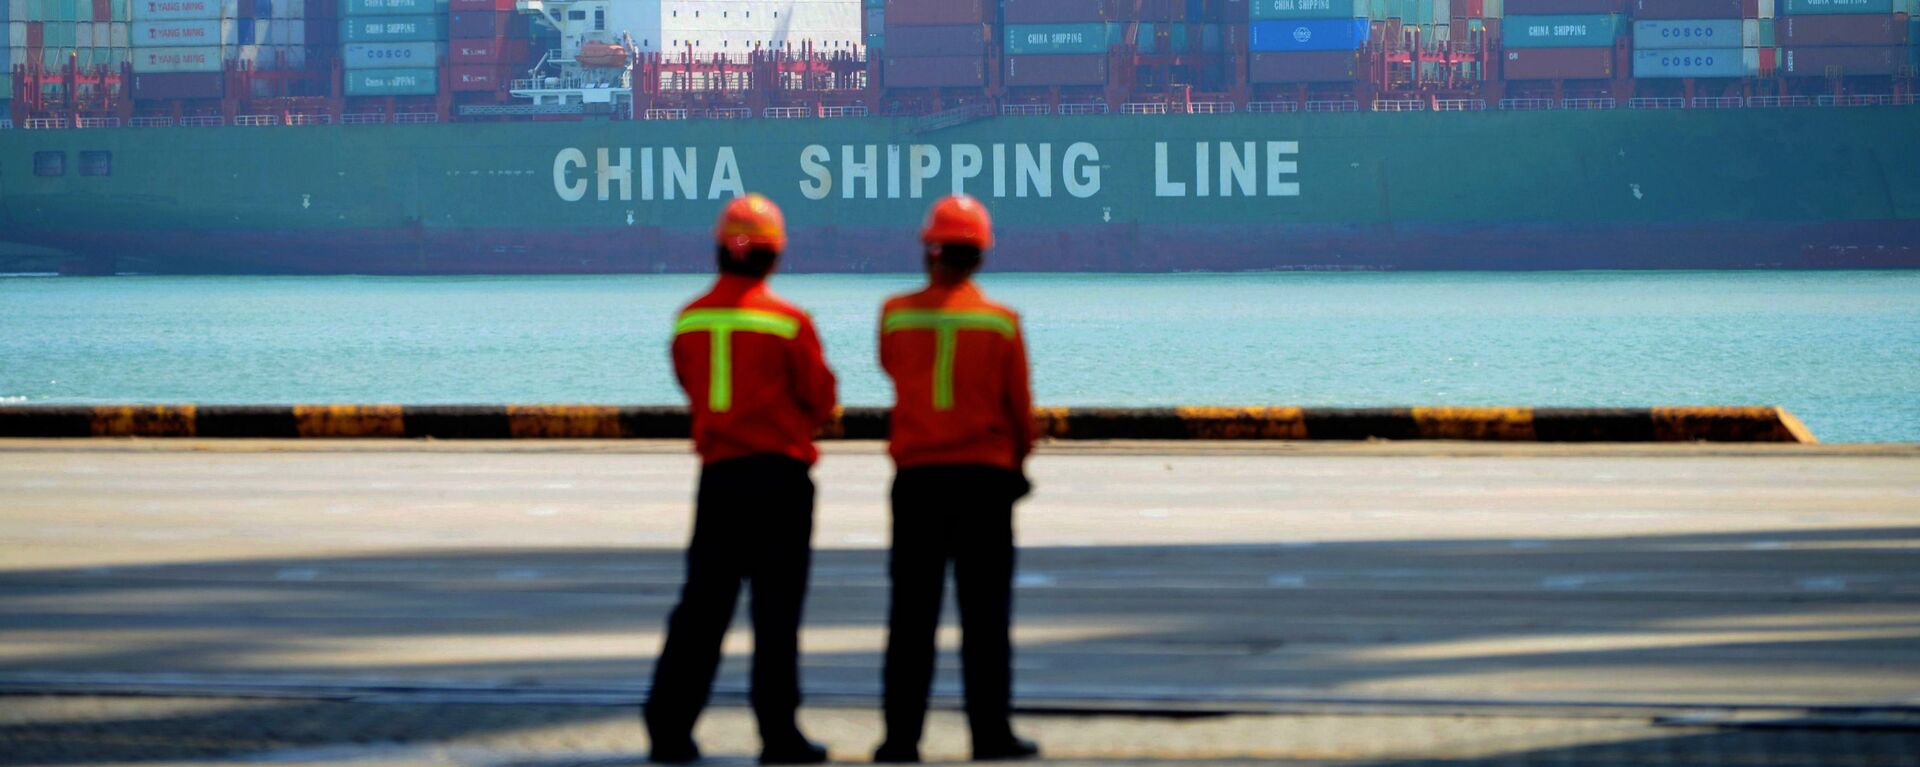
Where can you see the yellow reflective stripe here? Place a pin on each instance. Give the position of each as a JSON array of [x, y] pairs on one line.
[[946, 325], [720, 325]]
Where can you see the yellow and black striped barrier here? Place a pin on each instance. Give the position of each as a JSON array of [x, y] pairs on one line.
[[1659, 424]]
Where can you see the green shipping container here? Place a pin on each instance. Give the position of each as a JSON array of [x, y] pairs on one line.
[[1049, 39], [1573, 31], [392, 82], [392, 7], [392, 29], [1262, 10]]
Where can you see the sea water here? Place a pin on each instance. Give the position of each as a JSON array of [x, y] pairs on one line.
[[1839, 349]]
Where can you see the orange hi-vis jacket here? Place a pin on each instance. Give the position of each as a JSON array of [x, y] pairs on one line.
[[753, 369], [959, 369]]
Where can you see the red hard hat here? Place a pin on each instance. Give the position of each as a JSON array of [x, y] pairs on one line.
[[751, 222], [958, 220]]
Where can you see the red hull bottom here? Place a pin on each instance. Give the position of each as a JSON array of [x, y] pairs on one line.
[[1879, 244]]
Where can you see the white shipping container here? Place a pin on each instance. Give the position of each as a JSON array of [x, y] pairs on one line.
[[118, 35], [175, 10], [1766, 10], [195, 59], [289, 9], [16, 9], [17, 34], [83, 35], [186, 33]]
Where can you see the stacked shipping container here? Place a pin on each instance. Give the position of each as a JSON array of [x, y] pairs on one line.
[[1057, 42], [488, 45], [1842, 38], [1715, 39], [54, 33], [1304, 41], [393, 47], [178, 50], [935, 43], [1560, 39]]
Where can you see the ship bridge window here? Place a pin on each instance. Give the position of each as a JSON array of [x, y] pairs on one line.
[[96, 163], [49, 164], [576, 15], [600, 20]]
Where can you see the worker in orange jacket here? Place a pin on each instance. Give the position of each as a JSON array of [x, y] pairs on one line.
[[760, 388], [961, 431]]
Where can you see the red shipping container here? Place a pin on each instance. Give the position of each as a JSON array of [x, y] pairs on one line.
[[909, 13], [1558, 63], [1845, 61], [961, 40], [179, 85], [480, 77], [484, 51], [36, 34], [496, 6], [1691, 9], [935, 72], [472, 25], [1841, 29], [103, 10], [1302, 67], [1552, 7], [1055, 70], [1475, 9], [1050, 11]]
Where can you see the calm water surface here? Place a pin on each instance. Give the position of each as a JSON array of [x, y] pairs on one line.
[[1840, 349]]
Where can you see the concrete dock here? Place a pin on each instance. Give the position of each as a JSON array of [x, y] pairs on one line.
[[1381, 603]]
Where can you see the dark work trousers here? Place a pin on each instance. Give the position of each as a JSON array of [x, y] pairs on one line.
[[753, 522], [963, 515]]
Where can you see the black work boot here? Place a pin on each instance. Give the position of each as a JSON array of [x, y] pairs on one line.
[[674, 751], [792, 748], [1007, 748], [894, 753]]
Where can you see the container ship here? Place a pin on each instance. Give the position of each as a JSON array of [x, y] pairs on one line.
[[600, 136]]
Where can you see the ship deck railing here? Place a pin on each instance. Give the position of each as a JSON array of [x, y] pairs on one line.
[[1399, 105], [321, 119], [728, 113], [415, 118], [1646, 102], [48, 123], [371, 118], [1718, 102], [852, 111], [1209, 108], [1460, 105], [1143, 108], [664, 114], [1097, 108], [1525, 105], [1272, 107], [1333, 105], [1866, 100], [256, 121], [97, 122], [786, 113], [1025, 110], [1772, 102], [151, 122], [1599, 103], [203, 121]]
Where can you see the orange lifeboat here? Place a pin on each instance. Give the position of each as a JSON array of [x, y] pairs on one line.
[[603, 55]]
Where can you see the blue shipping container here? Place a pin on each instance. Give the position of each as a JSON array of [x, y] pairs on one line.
[[1307, 35], [1700, 62]]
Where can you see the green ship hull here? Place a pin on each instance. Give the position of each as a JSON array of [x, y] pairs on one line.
[[1755, 188]]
